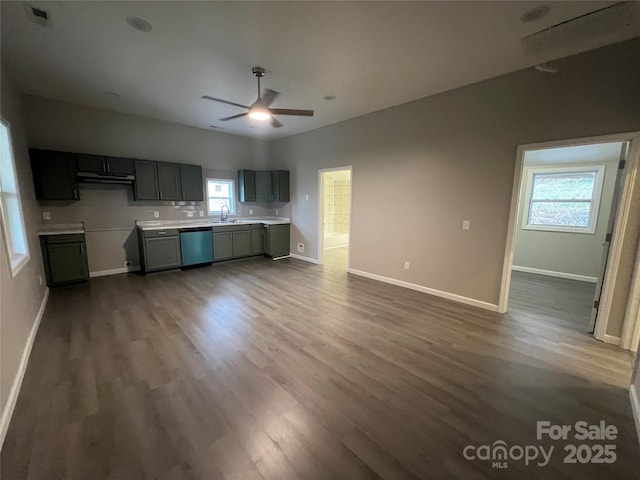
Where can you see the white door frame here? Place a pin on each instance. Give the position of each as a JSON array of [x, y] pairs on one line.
[[618, 232], [321, 211]]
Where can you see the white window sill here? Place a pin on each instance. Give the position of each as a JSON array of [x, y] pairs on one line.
[[17, 262], [551, 228]]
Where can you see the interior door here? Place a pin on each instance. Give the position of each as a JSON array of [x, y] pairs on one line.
[[607, 243]]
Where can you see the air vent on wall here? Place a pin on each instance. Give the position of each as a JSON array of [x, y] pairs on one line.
[[39, 16], [580, 29]]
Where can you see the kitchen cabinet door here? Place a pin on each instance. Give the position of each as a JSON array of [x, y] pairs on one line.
[[54, 175], [242, 243], [91, 163], [263, 186], [168, 181], [222, 245], [246, 186], [146, 182], [280, 185], [162, 253], [191, 183], [257, 246], [65, 259], [123, 166]]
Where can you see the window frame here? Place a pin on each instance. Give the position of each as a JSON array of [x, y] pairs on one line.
[[232, 206], [598, 169], [16, 260]]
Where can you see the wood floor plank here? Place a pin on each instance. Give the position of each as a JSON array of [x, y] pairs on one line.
[[288, 370]]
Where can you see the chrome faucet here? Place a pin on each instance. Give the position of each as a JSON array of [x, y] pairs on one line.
[[222, 217]]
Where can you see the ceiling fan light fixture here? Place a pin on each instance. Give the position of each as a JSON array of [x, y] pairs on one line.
[[259, 113]]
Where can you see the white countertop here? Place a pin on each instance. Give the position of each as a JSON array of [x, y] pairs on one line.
[[200, 223], [61, 229]]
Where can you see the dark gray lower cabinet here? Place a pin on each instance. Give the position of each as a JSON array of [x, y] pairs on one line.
[[65, 259], [222, 245], [159, 249], [277, 240], [257, 243], [242, 242]]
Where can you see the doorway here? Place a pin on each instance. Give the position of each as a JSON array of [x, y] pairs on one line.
[[335, 218], [572, 220]]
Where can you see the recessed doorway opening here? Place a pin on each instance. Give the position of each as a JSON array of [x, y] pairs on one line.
[[334, 217]]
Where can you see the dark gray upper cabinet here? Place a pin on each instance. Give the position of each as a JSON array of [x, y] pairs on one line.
[[118, 165], [54, 175], [102, 164], [191, 183], [246, 186], [263, 186], [280, 185], [169, 181], [91, 163], [146, 182]]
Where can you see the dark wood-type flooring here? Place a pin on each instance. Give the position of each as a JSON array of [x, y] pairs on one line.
[[288, 370]]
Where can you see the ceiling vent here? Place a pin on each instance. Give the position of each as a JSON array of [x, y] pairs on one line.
[[39, 15], [580, 29]]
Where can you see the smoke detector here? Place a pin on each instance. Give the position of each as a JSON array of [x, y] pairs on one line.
[[39, 16]]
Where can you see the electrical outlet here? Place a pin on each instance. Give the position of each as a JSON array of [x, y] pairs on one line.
[[201, 213], [466, 224], [46, 215], [406, 265], [301, 247], [251, 211], [156, 214], [306, 197], [189, 213]]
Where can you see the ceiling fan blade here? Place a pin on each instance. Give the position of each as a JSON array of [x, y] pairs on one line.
[[268, 97], [233, 116], [290, 111], [207, 97], [275, 123]]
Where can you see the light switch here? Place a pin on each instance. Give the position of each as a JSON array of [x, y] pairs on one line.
[[156, 214], [466, 224], [189, 213], [306, 197], [46, 215], [201, 213]]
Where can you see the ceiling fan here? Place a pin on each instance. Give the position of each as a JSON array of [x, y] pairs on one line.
[[259, 110]]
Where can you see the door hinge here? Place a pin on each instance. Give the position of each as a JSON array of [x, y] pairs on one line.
[[608, 237], [622, 164], [596, 304]]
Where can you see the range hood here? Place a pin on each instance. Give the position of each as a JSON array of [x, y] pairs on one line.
[[92, 177]]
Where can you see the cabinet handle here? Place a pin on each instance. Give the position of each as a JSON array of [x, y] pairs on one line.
[[81, 249], [104, 167], [108, 168], [162, 233], [160, 195], [75, 193]]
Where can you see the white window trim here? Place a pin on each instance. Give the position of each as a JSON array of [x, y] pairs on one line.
[[16, 262], [233, 195], [595, 202]]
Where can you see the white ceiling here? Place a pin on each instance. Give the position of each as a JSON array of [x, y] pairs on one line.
[[595, 153], [370, 55]]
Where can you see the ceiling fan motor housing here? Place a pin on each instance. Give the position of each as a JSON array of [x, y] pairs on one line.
[[258, 71]]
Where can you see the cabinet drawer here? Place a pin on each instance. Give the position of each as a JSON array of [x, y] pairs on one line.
[[64, 238], [231, 228], [160, 233]]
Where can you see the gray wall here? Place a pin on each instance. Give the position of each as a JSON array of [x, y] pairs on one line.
[[451, 157], [21, 296], [573, 253], [109, 212]]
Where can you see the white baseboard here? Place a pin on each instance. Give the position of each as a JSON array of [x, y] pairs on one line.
[[635, 407], [606, 338], [7, 412], [430, 291], [113, 271], [304, 259], [551, 273]]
